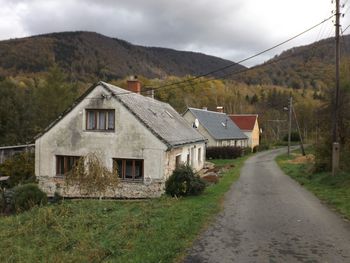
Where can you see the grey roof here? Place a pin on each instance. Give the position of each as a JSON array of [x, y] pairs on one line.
[[159, 117], [219, 125]]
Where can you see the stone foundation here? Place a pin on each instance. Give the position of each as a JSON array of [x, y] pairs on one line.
[[153, 189]]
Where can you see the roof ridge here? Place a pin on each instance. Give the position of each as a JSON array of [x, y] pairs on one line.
[[206, 110], [243, 114], [127, 92]]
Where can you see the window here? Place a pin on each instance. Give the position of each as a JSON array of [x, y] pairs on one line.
[[65, 163], [192, 156], [177, 161], [129, 169], [199, 155], [100, 120]]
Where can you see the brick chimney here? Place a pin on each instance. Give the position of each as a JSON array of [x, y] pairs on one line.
[[220, 109], [134, 85]]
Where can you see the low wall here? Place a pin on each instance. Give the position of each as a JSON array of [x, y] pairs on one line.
[[156, 188]]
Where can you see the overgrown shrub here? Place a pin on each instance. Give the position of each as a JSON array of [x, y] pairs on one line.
[[246, 150], [20, 169], [184, 182], [91, 177], [294, 137], [224, 152], [323, 155], [27, 196], [263, 147], [2, 202], [57, 198]]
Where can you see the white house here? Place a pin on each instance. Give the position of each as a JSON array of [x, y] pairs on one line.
[[146, 138], [216, 127]]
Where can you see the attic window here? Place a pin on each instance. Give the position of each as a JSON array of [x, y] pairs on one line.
[[154, 113], [171, 116], [100, 120]]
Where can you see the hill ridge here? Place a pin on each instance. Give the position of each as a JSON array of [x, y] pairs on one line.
[[88, 56]]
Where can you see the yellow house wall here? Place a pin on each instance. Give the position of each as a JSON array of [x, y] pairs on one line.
[[255, 135]]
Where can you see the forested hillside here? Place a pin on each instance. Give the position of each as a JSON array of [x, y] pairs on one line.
[[88, 57], [310, 66]]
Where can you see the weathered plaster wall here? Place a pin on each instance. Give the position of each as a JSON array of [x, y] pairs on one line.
[[192, 150], [129, 140]]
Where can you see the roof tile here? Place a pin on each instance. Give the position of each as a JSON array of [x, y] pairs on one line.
[[245, 122]]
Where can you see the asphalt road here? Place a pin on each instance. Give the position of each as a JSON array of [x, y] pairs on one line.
[[268, 217]]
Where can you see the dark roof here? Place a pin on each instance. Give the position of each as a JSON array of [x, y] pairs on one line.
[[219, 125], [245, 122], [160, 118]]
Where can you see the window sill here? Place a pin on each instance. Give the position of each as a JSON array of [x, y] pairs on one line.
[[108, 131], [137, 181]]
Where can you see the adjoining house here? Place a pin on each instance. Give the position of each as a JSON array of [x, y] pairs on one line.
[[249, 124], [216, 127], [145, 138], [7, 152]]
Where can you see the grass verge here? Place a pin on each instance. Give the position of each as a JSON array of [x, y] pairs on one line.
[[335, 191], [157, 230]]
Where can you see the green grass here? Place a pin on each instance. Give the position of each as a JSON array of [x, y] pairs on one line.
[[157, 230], [335, 191]]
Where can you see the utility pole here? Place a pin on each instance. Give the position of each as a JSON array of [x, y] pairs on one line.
[[335, 145], [290, 122], [300, 137]]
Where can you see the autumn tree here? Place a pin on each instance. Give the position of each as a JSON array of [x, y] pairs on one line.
[[91, 178], [53, 96]]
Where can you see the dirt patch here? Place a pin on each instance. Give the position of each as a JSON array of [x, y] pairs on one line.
[[299, 159], [212, 174], [211, 178], [214, 170]]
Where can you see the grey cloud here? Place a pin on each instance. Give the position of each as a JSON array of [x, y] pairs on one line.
[[220, 28]]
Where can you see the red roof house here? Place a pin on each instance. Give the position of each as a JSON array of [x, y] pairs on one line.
[[248, 123]]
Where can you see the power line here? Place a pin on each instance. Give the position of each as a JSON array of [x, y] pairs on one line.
[[250, 57], [259, 66], [293, 53], [313, 46], [236, 63], [346, 28]]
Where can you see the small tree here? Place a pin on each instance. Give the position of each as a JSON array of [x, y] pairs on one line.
[[20, 169], [91, 177]]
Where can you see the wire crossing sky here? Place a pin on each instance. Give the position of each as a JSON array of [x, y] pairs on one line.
[[231, 29]]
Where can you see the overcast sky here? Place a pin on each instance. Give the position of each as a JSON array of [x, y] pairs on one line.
[[231, 29]]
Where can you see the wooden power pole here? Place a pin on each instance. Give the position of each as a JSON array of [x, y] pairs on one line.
[[335, 145], [299, 132], [290, 122]]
